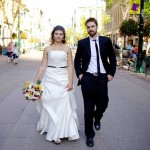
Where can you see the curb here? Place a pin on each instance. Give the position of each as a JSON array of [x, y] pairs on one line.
[[132, 70]]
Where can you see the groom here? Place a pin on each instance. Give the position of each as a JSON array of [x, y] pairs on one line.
[[95, 65]]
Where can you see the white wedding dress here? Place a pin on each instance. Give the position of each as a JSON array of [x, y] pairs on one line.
[[57, 107]]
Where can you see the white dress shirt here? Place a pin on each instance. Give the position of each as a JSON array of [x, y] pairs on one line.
[[92, 68]]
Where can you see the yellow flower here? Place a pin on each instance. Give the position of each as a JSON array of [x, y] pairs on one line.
[[32, 91], [38, 87], [27, 84]]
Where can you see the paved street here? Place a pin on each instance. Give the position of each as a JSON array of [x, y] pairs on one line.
[[125, 125]]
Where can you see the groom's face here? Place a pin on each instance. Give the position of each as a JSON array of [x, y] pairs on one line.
[[91, 28]]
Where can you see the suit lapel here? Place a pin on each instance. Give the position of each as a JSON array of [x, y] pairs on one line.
[[101, 45], [88, 46]]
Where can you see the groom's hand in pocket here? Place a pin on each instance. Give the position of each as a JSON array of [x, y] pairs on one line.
[[80, 77]]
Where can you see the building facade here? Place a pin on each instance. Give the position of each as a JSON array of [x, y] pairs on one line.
[[5, 21], [120, 11], [88, 11], [29, 25]]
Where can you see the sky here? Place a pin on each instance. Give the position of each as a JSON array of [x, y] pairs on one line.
[[60, 11]]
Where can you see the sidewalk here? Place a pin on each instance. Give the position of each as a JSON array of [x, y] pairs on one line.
[[125, 66], [122, 124], [3, 59]]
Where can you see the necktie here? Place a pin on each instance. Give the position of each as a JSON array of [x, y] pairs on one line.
[[97, 56]]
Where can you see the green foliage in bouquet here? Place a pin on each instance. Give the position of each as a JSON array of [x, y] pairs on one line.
[[38, 82]]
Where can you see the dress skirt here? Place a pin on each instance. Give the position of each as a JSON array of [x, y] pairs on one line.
[[57, 107]]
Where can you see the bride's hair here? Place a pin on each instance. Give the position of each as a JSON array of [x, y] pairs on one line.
[[58, 27]]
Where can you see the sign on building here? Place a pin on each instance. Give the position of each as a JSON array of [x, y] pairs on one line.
[[135, 6]]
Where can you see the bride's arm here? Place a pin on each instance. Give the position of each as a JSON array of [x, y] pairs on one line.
[[42, 66], [70, 70]]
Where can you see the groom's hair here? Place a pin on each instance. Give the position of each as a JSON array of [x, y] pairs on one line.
[[91, 20]]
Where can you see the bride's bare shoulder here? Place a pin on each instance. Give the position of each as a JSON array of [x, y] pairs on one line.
[[47, 48], [67, 48]]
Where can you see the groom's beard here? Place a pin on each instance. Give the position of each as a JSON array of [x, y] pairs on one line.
[[92, 33]]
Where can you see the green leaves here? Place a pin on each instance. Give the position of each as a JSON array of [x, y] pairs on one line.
[[109, 3], [146, 29], [147, 8], [129, 27], [83, 27], [38, 82]]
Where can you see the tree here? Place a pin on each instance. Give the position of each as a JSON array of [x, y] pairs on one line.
[[16, 5], [146, 29], [83, 27], [70, 32], [31, 40], [147, 8], [23, 35], [125, 5], [72, 36], [76, 38], [128, 27], [109, 3], [14, 35], [106, 18]]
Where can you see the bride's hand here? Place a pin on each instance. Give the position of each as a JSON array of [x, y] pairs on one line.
[[69, 86]]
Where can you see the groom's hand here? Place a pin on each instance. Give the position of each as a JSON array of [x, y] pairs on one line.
[[109, 77], [80, 76]]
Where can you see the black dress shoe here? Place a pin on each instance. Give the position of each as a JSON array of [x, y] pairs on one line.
[[89, 142], [97, 125]]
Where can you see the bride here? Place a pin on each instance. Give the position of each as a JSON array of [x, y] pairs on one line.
[[57, 107]]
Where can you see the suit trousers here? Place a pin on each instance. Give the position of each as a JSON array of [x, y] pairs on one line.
[[95, 96]]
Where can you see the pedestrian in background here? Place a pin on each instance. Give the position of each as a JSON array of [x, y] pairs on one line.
[[15, 53], [116, 48], [136, 48], [129, 48], [95, 65], [1, 49], [9, 49]]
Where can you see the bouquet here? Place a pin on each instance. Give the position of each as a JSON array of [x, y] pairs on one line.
[[32, 91]]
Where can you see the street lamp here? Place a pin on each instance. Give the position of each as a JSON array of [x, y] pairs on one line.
[[24, 10], [19, 38], [140, 46]]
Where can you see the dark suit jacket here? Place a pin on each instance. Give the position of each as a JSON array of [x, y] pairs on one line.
[[83, 55]]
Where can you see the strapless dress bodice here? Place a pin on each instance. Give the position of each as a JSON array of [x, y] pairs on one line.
[[57, 58]]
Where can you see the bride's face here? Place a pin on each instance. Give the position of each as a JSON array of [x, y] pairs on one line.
[[58, 36]]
